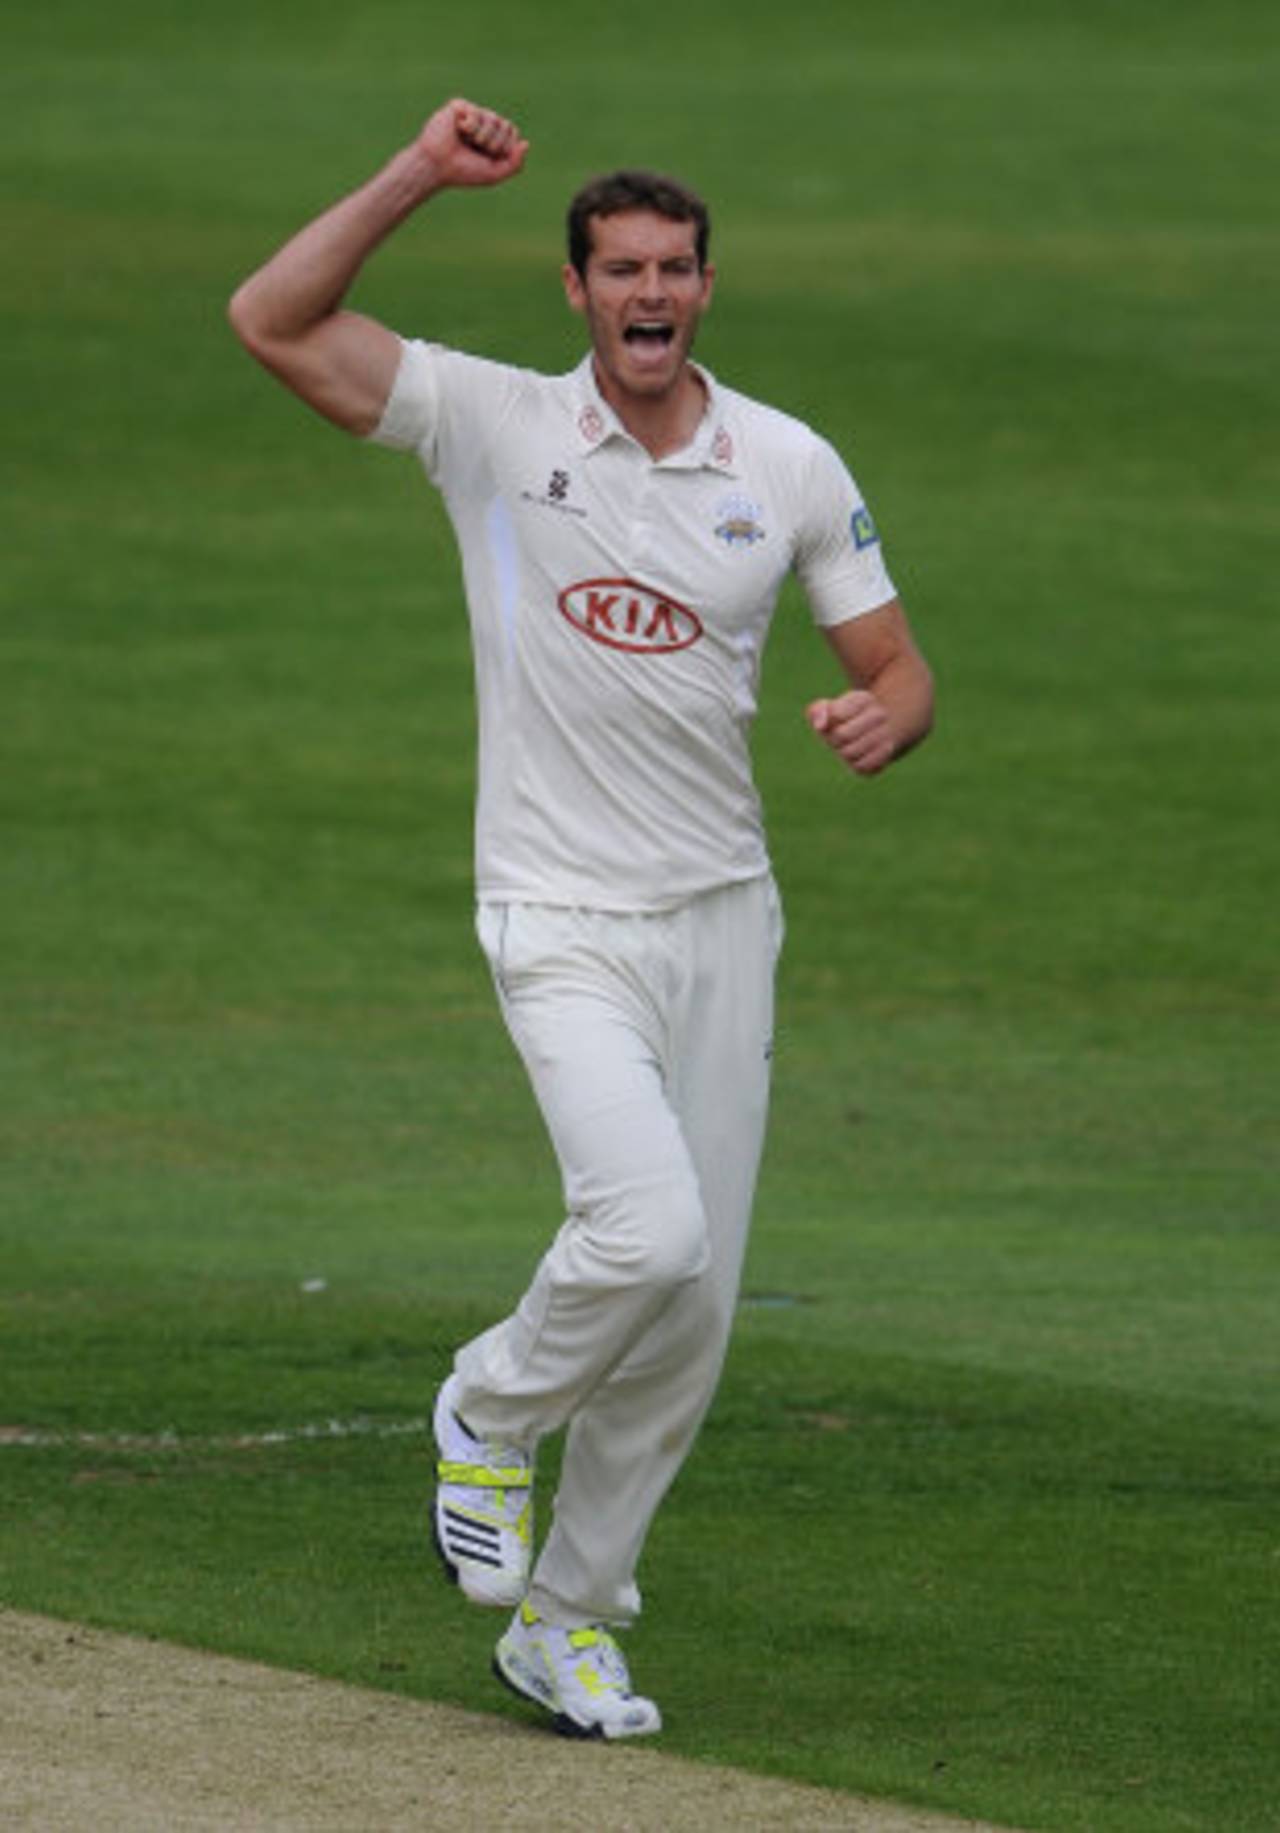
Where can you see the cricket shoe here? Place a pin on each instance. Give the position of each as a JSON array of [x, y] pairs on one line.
[[577, 1675], [482, 1512]]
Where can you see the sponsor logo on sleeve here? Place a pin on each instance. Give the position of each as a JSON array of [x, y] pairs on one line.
[[623, 614], [864, 529]]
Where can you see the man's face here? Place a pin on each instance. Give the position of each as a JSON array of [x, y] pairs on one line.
[[642, 296]]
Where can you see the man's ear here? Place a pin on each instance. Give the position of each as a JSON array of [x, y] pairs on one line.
[[574, 291]]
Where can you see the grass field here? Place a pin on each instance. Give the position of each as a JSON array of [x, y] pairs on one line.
[[986, 1514]]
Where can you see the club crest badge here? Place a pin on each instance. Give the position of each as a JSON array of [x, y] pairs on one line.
[[738, 521], [591, 424]]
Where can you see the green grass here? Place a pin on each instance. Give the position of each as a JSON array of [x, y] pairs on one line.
[[982, 1588], [988, 1499]]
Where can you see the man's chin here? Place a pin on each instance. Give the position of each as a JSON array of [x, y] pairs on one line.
[[650, 377]]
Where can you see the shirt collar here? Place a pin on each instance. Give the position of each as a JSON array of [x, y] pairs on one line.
[[714, 446]]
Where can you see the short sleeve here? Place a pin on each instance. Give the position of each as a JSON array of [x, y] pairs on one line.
[[412, 410], [838, 559], [447, 407]]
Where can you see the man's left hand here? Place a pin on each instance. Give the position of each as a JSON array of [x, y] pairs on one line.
[[856, 726]]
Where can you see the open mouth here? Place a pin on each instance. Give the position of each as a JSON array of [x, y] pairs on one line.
[[649, 334]]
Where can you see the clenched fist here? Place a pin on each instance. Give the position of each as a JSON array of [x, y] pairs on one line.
[[857, 728], [470, 145]]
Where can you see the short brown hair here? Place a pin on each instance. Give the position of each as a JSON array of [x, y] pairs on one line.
[[634, 190]]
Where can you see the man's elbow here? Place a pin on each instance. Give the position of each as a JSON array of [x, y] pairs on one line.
[[282, 357], [246, 321]]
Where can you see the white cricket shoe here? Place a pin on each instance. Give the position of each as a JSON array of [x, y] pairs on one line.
[[577, 1675], [482, 1513]]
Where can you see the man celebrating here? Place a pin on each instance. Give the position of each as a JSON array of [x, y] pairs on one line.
[[624, 531]]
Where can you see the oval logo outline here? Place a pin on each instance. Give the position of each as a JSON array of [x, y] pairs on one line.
[[628, 615]]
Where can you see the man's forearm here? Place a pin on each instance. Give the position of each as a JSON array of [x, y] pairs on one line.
[[289, 314], [307, 279], [889, 705], [904, 687]]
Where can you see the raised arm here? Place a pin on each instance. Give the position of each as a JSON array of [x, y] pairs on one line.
[[289, 314], [888, 707]]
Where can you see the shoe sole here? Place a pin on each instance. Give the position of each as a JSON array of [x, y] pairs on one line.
[[453, 1572], [560, 1721], [569, 1727], [450, 1570]]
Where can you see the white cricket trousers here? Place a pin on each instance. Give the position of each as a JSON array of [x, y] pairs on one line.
[[647, 1039]]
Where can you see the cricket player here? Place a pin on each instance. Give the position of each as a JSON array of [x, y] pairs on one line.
[[624, 530]]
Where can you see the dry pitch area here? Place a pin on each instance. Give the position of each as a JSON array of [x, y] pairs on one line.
[[115, 1733]]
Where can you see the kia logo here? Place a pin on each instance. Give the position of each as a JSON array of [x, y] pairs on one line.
[[623, 614]]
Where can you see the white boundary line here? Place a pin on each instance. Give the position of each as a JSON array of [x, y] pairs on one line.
[[32, 1438]]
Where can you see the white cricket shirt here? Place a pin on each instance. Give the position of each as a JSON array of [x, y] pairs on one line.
[[619, 605]]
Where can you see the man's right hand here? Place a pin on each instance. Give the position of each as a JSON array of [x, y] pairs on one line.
[[470, 145]]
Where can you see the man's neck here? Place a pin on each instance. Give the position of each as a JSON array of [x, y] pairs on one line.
[[664, 423]]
